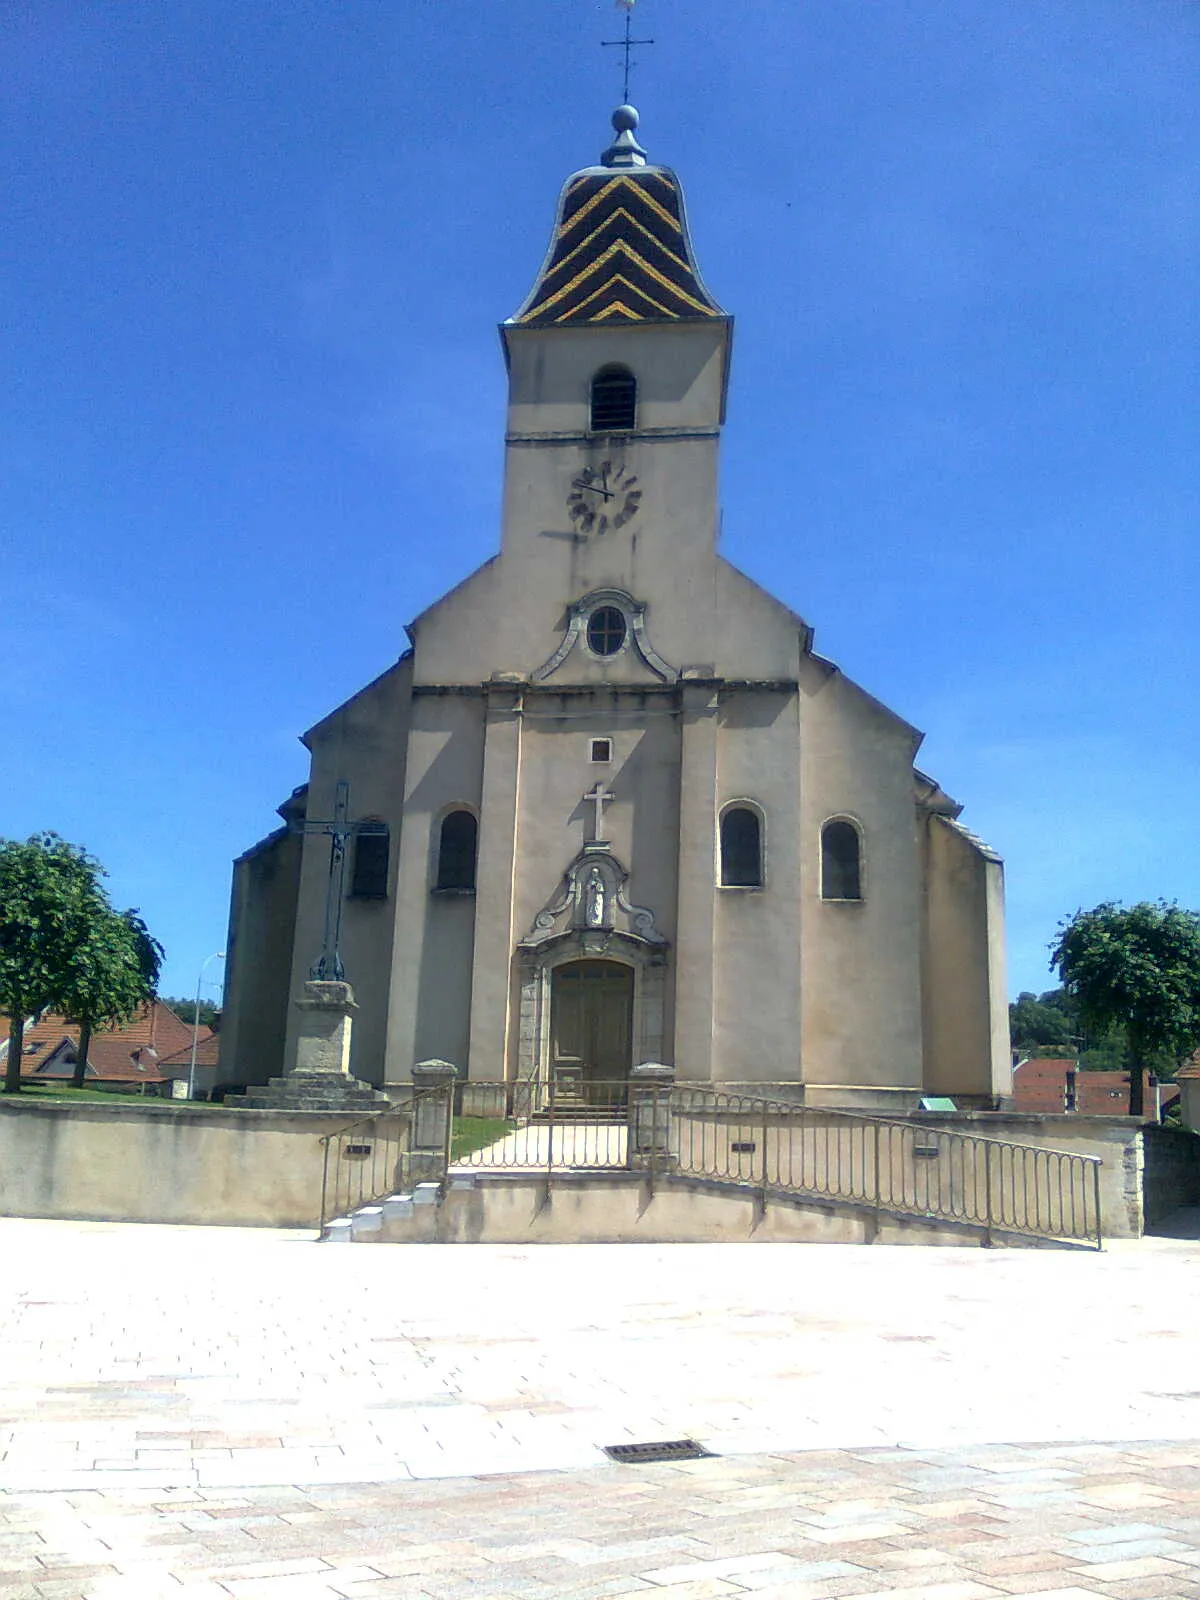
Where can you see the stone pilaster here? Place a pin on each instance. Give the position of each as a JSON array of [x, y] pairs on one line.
[[491, 980], [697, 880]]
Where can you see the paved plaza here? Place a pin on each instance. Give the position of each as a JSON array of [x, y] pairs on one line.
[[217, 1412]]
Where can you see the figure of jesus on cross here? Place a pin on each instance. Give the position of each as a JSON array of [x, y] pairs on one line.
[[339, 828]]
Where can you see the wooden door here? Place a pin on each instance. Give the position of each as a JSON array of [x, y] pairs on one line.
[[591, 1021]]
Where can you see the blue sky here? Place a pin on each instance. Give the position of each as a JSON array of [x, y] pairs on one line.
[[253, 261]]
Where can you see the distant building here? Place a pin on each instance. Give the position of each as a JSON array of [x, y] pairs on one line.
[[1056, 1083], [205, 1071], [129, 1059]]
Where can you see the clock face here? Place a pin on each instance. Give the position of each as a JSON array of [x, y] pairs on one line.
[[603, 498]]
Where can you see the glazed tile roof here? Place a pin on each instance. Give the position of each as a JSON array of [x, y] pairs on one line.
[[620, 252]]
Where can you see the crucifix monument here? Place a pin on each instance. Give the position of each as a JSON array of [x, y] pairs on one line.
[[319, 1078]]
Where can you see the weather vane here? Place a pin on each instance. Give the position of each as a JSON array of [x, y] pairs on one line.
[[626, 44]]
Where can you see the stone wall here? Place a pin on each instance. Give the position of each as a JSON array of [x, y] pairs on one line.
[[162, 1163], [1171, 1175], [623, 1208]]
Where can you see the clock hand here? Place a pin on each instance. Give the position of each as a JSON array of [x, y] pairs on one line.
[[595, 488]]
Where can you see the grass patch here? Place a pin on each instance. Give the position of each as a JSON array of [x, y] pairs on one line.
[[476, 1133], [64, 1094]]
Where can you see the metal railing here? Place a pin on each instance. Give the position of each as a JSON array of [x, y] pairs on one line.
[[364, 1162], [895, 1168]]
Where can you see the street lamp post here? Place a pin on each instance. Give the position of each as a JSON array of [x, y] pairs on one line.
[[217, 955]]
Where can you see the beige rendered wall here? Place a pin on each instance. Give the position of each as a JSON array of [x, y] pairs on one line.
[[430, 978], [861, 966], [963, 981], [1189, 1101], [258, 959], [363, 742], [163, 1163], [757, 932]]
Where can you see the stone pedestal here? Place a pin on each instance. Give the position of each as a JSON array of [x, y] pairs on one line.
[[650, 1086], [320, 1079]]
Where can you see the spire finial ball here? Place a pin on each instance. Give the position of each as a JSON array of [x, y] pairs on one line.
[[625, 119]]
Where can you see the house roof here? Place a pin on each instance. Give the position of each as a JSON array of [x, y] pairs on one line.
[[129, 1054], [208, 1054], [1039, 1084]]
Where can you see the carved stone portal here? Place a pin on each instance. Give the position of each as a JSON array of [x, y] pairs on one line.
[[591, 915]]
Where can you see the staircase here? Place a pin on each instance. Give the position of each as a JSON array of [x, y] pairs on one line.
[[688, 1163]]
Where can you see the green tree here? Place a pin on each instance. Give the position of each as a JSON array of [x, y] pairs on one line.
[[58, 939], [1037, 1025], [208, 1016], [1137, 969], [112, 974]]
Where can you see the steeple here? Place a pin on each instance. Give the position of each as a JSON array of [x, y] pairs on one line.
[[620, 250]]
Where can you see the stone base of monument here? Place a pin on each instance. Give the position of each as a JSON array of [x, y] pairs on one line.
[[311, 1091], [320, 1080]]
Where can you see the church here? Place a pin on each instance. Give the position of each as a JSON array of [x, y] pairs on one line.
[[611, 807]]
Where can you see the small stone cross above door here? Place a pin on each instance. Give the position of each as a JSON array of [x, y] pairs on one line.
[[599, 798]]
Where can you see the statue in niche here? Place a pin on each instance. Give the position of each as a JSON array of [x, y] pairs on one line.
[[593, 899]]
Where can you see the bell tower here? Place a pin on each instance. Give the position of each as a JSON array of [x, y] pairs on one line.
[[618, 365]]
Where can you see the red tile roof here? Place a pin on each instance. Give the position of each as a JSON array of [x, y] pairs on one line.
[[1040, 1084], [131, 1054], [208, 1053]]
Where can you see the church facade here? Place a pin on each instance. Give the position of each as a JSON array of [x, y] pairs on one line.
[[611, 807]]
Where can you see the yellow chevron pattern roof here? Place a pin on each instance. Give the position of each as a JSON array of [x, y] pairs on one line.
[[619, 253]]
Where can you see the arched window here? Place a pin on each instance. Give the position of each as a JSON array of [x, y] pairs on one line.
[[456, 851], [369, 879], [741, 849], [841, 861], [614, 400]]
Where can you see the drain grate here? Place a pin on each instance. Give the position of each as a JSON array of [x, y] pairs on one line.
[[667, 1450]]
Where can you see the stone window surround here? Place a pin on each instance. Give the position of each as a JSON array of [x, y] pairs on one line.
[[636, 641], [746, 803], [856, 824]]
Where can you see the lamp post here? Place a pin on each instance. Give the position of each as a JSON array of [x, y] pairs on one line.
[[217, 955]]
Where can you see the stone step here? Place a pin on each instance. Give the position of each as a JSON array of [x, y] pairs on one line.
[[311, 1091]]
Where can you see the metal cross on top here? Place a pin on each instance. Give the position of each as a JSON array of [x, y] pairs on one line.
[[328, 965], [626, 44]]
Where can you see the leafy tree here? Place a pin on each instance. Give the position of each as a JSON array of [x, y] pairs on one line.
[[59, 946], [1036, 1024], [111, 976], [1049, 1024], [1137, 969], [208, 1016]]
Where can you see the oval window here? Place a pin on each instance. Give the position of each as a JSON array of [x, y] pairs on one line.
[[606, 630]]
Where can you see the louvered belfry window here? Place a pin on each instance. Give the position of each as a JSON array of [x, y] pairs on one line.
[[614, 400], [369, 880]]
